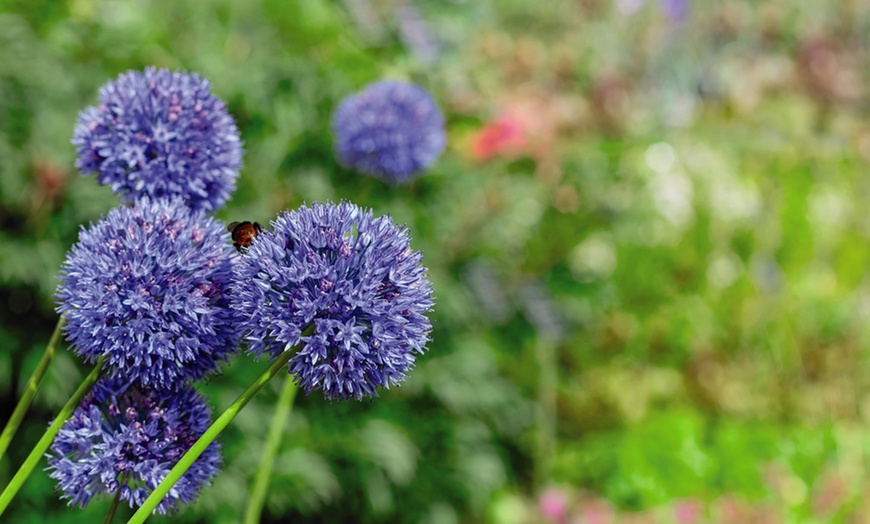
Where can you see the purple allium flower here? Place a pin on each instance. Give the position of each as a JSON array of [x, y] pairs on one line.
[[160, 134], [353, 281], [147, 287], [128, 437], [390, 130]]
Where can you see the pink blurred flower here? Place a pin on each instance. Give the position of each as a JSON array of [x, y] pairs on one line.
[[596, 511], [831, 490], [733, 510], [553, 505], [688, 511]]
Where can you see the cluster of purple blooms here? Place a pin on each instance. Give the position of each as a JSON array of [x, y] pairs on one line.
[[147, 287], [126, 437], [352, 281], [156, 293], [161, 134]]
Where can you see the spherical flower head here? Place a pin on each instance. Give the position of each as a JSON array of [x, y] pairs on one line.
[[124, 436], [147, 288], [345, 285], [390, 130], [160, 134]]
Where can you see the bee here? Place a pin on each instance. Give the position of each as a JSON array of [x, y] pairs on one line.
[[243, 233]]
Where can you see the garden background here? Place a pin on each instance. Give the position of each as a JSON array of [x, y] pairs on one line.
[[646, 240]]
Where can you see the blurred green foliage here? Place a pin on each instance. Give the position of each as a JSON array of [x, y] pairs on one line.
[[653, 298]]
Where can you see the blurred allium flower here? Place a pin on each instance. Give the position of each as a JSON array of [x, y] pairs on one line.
[[352, 278], [416, 33], [676, 10], [147, 287], [160, 134], [542, 312], [129, 437], [390, 130], [366, 18]]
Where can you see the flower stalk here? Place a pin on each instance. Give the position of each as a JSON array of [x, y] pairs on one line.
[[36, 454], [220, 423], [270, 451], [115, 500], [31, 388]]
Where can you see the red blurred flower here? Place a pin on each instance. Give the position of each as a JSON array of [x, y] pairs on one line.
[[503, 136]]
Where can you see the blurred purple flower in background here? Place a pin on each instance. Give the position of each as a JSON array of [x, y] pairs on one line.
[[147, 287], [128, 437], [160, 134], [416, 34], [390, 130], [488, 288], [676, 10], [366, 18], [353, 280], [541, 311]]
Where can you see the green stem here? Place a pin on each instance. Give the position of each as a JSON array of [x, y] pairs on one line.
[[30, 462], [368, 183], [114, 507], [207, 438], [546, 409], [30, 389], [273, 442]]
